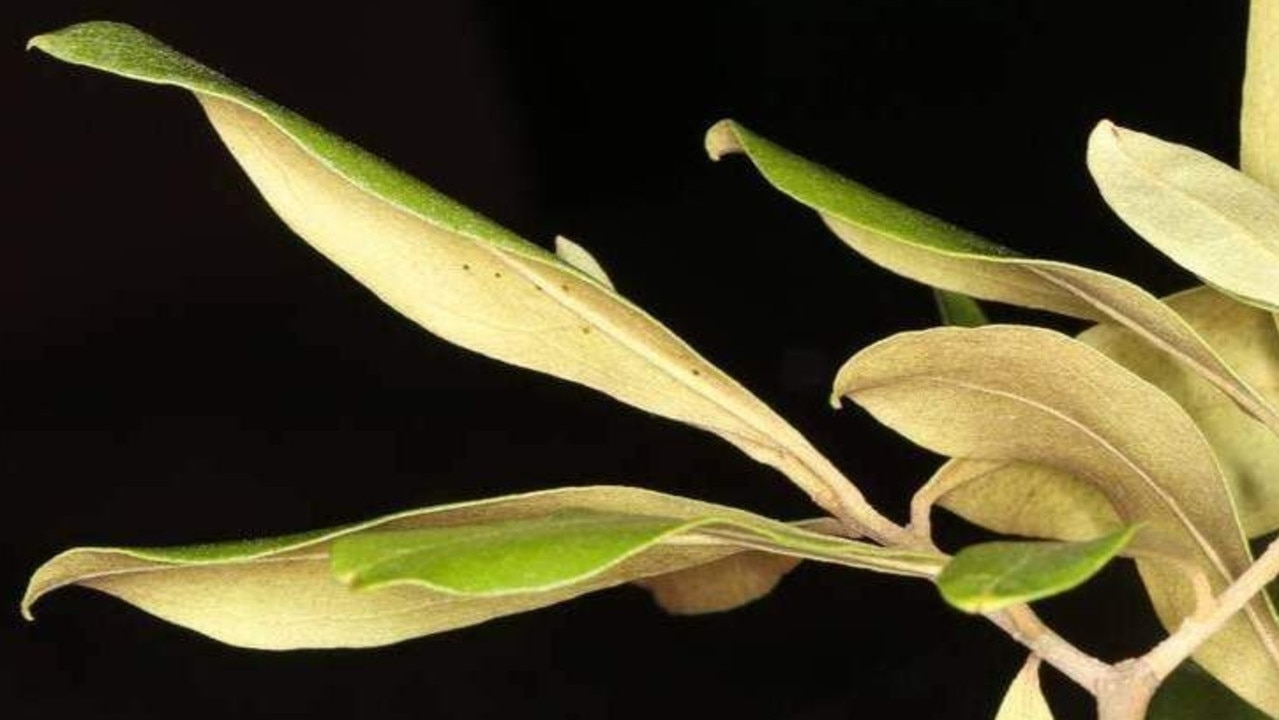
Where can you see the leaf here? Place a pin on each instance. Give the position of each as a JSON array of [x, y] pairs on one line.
[[923, 248], [1246, 338], [462, 276], [959, 310], [577, 256], [1208, 217], [719, 585], [1189, 693], [1018, 498], [427, 571], [991, 576], [1259, 115], [1010, 393], [1024, 699]]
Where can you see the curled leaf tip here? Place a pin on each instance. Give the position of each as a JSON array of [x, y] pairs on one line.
[[25, 608], [722, 140]]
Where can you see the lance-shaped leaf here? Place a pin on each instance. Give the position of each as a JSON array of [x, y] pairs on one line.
[[1246, 338], [1207, 216], [931, 251], [957, 309], [1011, 393], [460, 275], [1259, 115], [992, 576], [427, 571], [1021, 499], [1024, 699], [1016, 498]]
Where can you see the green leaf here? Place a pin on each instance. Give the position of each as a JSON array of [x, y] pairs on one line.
[[1020, 394], [426, 571], [1189, 693], [460, 275], [1208, 217], [1024, 699], [931, 251], [992, 576], [959, 310]]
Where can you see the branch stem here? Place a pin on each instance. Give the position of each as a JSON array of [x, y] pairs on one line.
[[1023, 625], [1167, 655]]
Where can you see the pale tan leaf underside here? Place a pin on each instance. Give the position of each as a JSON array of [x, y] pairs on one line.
[[283, 594], [1024, 699], [519, 308], [1203, 214], [936, 253], [1259, 114], [1009, 393], [719, 585]]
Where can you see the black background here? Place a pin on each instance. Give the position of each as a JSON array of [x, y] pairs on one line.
[[175, 366]]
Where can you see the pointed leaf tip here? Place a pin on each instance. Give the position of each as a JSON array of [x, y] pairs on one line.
[[456, 273], [1202, 213]]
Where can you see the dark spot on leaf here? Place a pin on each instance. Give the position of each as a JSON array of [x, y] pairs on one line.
[[466, 267], [697, 372], [586, 330], [497, 274]]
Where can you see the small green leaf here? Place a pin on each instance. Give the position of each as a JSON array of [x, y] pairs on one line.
[[1024, 699], [992, 576], [1203, 214], [428, 571], [958, 309], [1189, 693]]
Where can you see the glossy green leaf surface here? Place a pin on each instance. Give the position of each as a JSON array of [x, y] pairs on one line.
[[997, 394], [499, 558], [992, 576], [461, 276], [427, 571], [931, 251], [1203, 214]]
